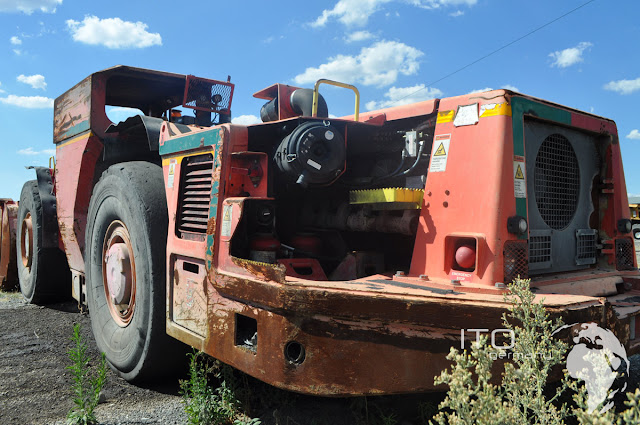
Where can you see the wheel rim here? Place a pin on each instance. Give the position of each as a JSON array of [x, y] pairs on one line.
[[26, 241], [119, 273]]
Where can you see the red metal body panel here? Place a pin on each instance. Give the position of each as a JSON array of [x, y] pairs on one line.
[[456, 203], [75, 170]]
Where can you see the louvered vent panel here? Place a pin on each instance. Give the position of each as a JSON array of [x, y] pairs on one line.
[[539, 249], [586, 246], [195, 194]]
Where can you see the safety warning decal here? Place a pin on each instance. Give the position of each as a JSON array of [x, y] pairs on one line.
[[172, 172], [519, 177], [227, 215], [440, 153]]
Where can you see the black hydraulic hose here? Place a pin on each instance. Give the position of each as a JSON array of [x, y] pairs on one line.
[[415, 164]]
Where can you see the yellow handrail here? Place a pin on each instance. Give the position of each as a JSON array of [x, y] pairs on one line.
[[314, 110]]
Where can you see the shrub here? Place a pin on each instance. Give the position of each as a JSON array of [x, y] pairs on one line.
[[523, 396]]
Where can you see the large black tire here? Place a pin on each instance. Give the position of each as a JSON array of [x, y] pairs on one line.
[[43, 273], [130, 198]]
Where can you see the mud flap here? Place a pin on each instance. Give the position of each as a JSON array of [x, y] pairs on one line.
[[49, 205]]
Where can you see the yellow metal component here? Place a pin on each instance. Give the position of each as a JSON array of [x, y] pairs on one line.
[[314, 110], [392, 198]]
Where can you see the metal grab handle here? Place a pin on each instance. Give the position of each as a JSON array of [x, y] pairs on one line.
[[314, 110]]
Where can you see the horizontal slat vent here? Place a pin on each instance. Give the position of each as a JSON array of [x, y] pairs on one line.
[[195, 194]]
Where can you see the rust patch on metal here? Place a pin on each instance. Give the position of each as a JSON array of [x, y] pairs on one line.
[[265, 271], [211, 226]]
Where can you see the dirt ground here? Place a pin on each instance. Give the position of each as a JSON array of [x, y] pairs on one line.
[[35, 387]]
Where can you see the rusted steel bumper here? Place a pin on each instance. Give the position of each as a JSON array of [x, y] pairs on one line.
[[377, 335]]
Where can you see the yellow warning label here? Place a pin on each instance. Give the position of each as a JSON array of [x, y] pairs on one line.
[[440, 151], [227, 214], [445, 116], [519, 174]]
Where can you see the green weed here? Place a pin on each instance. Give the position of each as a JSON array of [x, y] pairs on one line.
[[205, 405], [87, 382]]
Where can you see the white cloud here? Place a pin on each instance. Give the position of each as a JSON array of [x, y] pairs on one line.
[[570, 56], [358, 36], [480, 90], [15, 40], [397, 96], [623, 86], [29, 6], [378, 65], [113, 33], [634, 135], [246, 120], [120, 113], [357, 12], [510, 87], [456, 13], [29, 102], [1, 91], [35, 81], [18, 52], [30, 151]]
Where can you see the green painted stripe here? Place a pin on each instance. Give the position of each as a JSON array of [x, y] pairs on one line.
[[73, 131], [213, 206], [190, 141]]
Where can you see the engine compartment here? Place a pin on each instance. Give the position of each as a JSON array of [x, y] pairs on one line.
[[344, 197]]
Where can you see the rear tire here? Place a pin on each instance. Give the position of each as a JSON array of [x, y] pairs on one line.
[[43, 273], [128, 221]]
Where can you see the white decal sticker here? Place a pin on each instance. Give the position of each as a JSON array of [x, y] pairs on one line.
[[227, 215], [440, 153], [466, 115], [172, 172], [519, 177]]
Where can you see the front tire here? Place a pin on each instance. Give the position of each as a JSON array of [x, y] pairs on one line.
[[125, 269]]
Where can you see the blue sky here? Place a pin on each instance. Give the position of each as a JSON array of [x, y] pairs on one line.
[[395, 51]]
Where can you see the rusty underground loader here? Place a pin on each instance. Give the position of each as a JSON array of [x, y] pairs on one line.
[[329, 256]]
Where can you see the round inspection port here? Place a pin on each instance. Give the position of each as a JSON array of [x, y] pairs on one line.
[[294, 352]]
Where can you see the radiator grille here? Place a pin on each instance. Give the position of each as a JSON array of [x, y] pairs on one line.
[[515, 260], [540, 249], [556, 181], [624, 254], [195, 194], [585, 247]]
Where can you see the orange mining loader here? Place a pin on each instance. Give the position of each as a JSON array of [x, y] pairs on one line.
[[330, 256]]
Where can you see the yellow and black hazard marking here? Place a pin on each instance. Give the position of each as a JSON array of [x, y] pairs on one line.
[[519, 174], [440, 151]]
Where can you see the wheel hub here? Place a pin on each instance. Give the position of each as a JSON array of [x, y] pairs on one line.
[[26, 241], [119, 273]]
